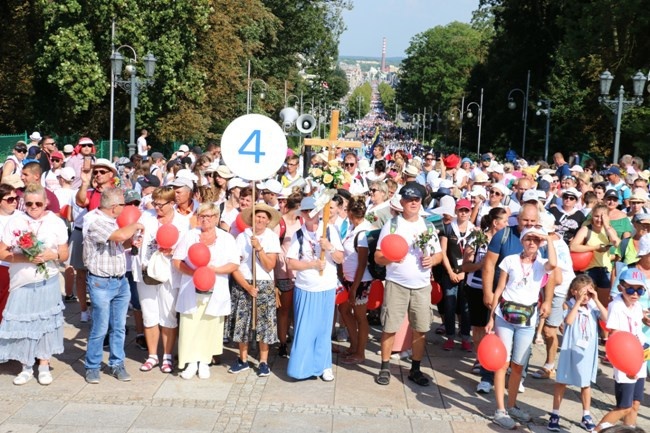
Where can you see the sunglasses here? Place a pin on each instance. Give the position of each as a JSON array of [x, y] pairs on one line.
[[86, 145], [34, 203], [56, 160], [429, 159], [495, 193], [569, 197], [11, 199], [350, 164], [100, 172], [21, 150], [631, 291], [373, 190]]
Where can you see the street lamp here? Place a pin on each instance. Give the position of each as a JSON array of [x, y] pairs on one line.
[[249, 88], [132, 84], [620, 105], [461, 112], [288, 99], [547, 112], [359, 99], [524, 109], [470, 114]]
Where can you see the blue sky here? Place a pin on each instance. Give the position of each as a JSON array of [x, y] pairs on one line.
[[398, 21]]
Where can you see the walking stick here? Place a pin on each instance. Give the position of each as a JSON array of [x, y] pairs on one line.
[[252, 335]]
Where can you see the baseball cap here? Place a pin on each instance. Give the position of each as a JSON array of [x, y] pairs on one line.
[[633, 276], [157, 155], [412, 190], [66, 173], [271, 185], [530, 195], [149, 180], [641, 218], [57, 154], [197, 150], [236, 182], [478, 190], [502, 189], [577, 168], [463, 203], [131, 195], [485, 157], [180, 182], [613, 170], [611, 193], [307, 203], [183, 148], [548, 221], [529, 231]]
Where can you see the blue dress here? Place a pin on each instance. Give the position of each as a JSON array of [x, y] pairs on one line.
[[578, 365]]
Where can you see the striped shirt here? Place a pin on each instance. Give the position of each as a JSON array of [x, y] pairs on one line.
[[102, 257]]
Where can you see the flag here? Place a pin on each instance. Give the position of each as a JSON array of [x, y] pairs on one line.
[[376, 139], [325, 85]]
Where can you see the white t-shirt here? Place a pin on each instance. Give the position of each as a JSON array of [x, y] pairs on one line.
[[142, 146], [49, 229], [50, 181], [461, 174], [410, 273], [624, 318], [4, 219], [270, 243], [310, 280], [523, 288], [351, 257], [565, 264]]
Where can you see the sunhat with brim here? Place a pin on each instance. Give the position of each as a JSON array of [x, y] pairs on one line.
[[639, 196], [546, 171], [577, 168], [501, 188], [641, 218], [447, 206], [481, 177], [308, 203], [13, 180], [274, 215], [633, 276], [645, 174], [102, 162], [548, 221], [572, 191], [224, 172], [395, 203], [411, 171], [533, 231], [478, 191]]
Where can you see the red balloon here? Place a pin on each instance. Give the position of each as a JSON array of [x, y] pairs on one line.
[[603, 325], [436, 292], [581, 260], [199, 254], [129, 215], [394, 247], [167, 235], [625, 352], [376, 295], [204, 278], [491, 353], [342, 295], [240, 224]]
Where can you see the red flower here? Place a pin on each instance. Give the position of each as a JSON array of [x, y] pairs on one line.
[[26, 241]]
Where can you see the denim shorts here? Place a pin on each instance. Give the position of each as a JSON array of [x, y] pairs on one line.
[[601, 277], [517, 339], [556, 317]]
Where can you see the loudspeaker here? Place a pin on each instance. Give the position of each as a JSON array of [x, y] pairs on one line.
[[288, 116], [306, 123]]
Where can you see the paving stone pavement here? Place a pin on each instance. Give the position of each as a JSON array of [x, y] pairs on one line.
[[157, 402]]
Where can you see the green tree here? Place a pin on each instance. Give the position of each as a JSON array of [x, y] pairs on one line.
[[386, 95], [359, 101]]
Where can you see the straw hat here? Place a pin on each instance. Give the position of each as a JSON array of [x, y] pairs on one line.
[[274, 215]]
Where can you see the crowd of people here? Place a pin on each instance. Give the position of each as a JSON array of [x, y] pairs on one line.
[[499, 238]]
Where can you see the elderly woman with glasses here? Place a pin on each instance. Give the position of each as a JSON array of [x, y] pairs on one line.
[[33, 243], [203, 313], [8, 204], [378, 210], [158, 298]]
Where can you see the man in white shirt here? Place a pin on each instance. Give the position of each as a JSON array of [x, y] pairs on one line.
[[358, 185], [143, 148]]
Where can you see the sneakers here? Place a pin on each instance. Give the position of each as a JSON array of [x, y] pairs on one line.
[[119, 372], [476, 368], [92, 375], [141, 342], [554, 423], [204, 371], [342, 335], [502, 419], [522, 388], [24, 377], [70, 298], [238, 367], [283, 352], [190, 371], [449, 344], [466, 345], [328, 375], [263, 370], [85, 316], [484, 387], [519, 414], [45, 377], [587, 423]]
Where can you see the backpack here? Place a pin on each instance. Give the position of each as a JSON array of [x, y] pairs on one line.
[[623, 247], [283, 228], [301, 237], [584, 242], [378, 272]]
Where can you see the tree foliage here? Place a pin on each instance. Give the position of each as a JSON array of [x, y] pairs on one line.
[[359, 101], [386, 95]]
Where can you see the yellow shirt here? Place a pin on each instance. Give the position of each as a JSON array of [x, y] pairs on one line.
[[599, 260]]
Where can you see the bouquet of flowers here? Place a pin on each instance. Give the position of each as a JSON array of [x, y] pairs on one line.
[[422, 241], [371, 218], [30, 246], [477, 239], [332, 176]]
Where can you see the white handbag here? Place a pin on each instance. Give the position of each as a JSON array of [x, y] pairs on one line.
[[159, 267]]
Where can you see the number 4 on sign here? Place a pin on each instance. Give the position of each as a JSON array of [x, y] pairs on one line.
[[255, 135]]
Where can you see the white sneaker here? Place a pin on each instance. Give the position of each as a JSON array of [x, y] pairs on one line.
[[522, 389], [24, 377], [342, 335], [85, 316], [190, 371], [484, 387], [328, 375], [45, 377], [204, 370]]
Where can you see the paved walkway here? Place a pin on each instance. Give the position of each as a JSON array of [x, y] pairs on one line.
[[155, 402]]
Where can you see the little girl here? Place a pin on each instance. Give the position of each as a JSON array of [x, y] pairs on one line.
[[578, 363]]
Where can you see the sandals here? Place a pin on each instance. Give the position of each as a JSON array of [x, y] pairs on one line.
[[149, 364], [167, 366], [383, 378], [352, 360], [544, 373], [419, 378], [24, 377]]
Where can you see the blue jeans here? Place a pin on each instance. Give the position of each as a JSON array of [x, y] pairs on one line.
[[110, 300], [456, 303]]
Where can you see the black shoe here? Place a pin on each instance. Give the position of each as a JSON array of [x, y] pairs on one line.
[[106, 340], [70, 298], [283, 352], [141, 342]]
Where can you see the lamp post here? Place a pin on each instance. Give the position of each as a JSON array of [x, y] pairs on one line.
[[286, 102], [249, 88], [359, 99], [546, 103], [461, 112], [132, 84], [524, 109], [470, 114], [620, 105]]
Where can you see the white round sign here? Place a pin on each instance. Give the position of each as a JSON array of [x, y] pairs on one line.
[[254, 147]]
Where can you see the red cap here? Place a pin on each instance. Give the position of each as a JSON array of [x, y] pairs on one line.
[[451, 161], [463, 203], [57, 154]]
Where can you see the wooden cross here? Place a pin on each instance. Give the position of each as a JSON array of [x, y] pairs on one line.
[[330, 143]]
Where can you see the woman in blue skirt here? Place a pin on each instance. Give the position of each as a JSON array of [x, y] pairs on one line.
[[32, 325], [311, 353]]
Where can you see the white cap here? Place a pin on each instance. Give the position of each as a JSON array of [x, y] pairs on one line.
[[272, 185], [533, 231], [502, 188], [530, 195], [572, 191], [363, 166], [67, 173], [495, 167], [447, 206], [548, 221], [644, 245], [236, 182], [35, 136], [187, 174], [478, 190], [182, 182], [183, 148], [577, 168]]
